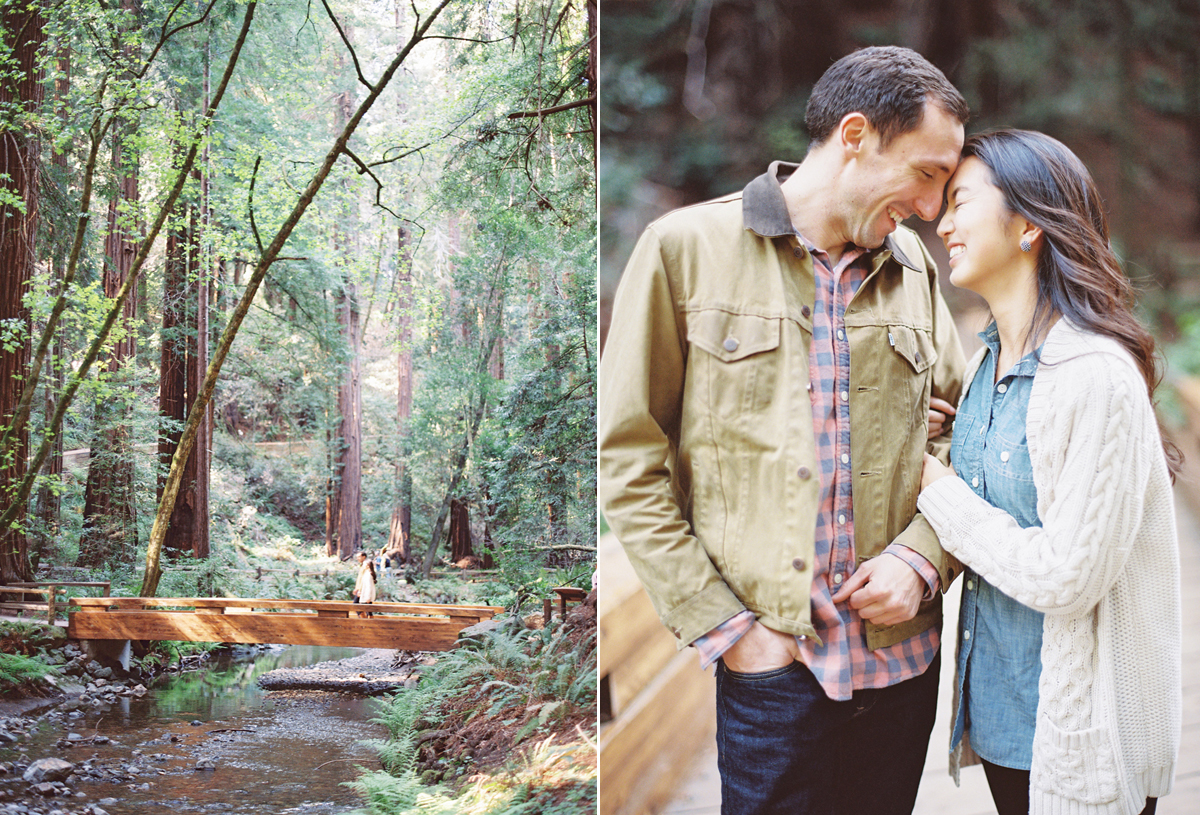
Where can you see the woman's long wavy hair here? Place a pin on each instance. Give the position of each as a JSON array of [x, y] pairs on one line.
[[1079, 276]]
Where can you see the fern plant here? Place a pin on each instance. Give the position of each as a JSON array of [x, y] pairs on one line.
[[516, 676], [16, 669]]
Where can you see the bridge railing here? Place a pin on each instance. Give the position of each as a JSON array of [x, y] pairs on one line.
[[44, 594], [413, 626]]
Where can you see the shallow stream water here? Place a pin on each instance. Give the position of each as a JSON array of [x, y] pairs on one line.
[[274, 753]]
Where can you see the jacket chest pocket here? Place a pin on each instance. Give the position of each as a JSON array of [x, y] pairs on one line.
[[734, 364], [907, 373]]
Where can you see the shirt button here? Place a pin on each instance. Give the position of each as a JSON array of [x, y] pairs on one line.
[[731, 344], [841, 519], [841, 334], [845, 396], [1004, 456], [966, 635], [845, 458], [1002, 388], [798, 251], [837, 578], [975, 481], [971, 585], [798, 564], [981, 429], [808, 387], [806, 311], [804, 473]]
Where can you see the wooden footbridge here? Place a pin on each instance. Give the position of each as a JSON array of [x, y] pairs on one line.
[[409, 626]]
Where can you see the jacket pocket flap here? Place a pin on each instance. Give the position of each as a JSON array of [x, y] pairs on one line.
[[730, 337], [915, 346]]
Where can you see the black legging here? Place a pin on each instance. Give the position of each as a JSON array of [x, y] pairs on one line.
[[1010, 790]]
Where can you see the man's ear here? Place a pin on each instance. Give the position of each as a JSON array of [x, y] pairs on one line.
[[853, 132]]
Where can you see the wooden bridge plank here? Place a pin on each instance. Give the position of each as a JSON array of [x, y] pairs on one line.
[[429, 634], [91, 603], [415, 626]]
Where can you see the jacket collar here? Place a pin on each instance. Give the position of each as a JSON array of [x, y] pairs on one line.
[[764, 212]]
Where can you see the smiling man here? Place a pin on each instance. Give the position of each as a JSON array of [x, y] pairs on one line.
[[764, 395]]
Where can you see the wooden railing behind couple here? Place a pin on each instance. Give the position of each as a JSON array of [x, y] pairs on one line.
[[410, 626], [39, 601]]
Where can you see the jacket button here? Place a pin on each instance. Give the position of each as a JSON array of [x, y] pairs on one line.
[[798, 251], [917, 356], [806, 311], [675, 631], [798, 564], [731, 344], [804, 473]]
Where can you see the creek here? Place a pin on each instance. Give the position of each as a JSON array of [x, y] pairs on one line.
[[274, 753]]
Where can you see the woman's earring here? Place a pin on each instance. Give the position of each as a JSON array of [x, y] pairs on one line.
[[1026, 245]]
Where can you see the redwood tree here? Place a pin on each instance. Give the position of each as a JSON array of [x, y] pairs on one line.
[[109, 511], [347, 472], [22, 35], [184, 358], [399, 535]]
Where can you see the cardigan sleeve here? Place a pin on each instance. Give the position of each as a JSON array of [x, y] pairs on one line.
[[1096, 447]]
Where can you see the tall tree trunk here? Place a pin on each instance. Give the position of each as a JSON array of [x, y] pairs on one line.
[[109, 511], [400, 528], [349, 442], [331, 500], [461, 545], [199, 464], [348, 467], [460, 464], [496, 362], [399, 535], [184, 359], [49, 500], [23, 34], [172, 381]]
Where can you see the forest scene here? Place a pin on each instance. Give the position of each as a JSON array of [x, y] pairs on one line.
[[282, 283]]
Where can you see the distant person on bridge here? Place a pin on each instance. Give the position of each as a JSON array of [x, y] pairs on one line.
[[364, 587], [1060, 498]]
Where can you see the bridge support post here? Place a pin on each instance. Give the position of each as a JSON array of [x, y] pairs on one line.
[[119, 651]]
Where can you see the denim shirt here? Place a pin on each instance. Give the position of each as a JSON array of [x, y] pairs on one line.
[[999, 640]]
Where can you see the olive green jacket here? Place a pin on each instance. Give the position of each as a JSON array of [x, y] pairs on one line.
[[708, 472]]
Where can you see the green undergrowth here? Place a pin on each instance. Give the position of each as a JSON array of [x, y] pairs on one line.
[[27, 653], [505, 727], [20, 670]]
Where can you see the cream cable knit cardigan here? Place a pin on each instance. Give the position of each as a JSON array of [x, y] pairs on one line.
[[1103, 566]]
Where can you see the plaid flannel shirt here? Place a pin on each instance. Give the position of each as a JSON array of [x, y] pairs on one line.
[[842, 663]]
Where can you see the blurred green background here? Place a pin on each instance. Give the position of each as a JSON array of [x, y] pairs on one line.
[[698, 97]]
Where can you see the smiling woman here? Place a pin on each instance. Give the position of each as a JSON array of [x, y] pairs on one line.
[[984, 238], [1061, 505]]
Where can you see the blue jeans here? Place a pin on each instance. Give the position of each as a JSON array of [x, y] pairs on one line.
[[785, 748]]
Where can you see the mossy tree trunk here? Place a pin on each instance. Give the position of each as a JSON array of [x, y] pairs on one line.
[[22, 36]]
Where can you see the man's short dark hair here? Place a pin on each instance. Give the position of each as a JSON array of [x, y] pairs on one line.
[[887, 84]]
